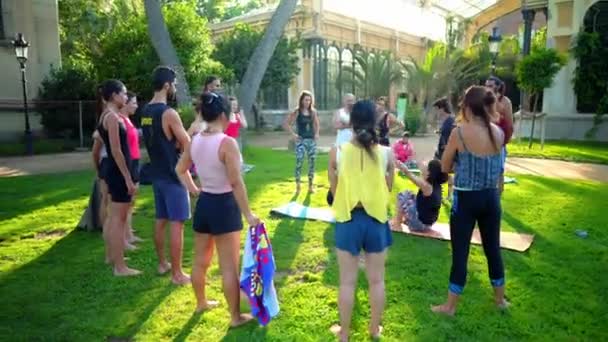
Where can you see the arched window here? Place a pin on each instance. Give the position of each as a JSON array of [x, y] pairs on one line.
[[346, 77], [333, 70]]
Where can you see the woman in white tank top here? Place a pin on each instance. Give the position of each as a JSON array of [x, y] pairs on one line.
[[344, 131]]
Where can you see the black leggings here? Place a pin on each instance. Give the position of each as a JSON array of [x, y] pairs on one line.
[[470, 207]]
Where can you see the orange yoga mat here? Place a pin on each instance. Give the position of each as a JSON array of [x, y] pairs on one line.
[[508, 240]]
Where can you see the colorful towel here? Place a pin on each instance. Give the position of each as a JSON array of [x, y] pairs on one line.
[[257, 275]]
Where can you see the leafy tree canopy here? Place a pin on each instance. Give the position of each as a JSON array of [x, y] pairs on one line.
[[235, 48]]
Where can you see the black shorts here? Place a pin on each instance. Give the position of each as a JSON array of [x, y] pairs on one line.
[[134, 170], [103, 168], [217, 214], [117, 186]]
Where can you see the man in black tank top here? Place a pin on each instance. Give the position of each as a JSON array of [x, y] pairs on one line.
[[163, 133]]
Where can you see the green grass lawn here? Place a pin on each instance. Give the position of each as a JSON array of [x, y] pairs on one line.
[[576, 151], [54, 285]]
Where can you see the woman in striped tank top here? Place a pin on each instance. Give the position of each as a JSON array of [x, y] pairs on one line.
[[477, 143]]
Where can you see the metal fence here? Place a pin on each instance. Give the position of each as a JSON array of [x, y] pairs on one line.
[[70, 120]]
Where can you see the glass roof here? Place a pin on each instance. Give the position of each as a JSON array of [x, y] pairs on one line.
[[463, 8], [425, 18]]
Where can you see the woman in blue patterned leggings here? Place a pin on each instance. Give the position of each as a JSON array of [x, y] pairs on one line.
[[306, 120]]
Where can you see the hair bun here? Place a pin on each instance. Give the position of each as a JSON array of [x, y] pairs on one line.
[[365, 137], [489, 98]]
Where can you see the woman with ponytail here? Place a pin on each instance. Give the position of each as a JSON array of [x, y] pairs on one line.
[[121, 186], [477, 143], [100, 163], [361, 175], [222, 201]]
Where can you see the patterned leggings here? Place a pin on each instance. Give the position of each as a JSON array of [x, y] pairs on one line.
[[308, 146]]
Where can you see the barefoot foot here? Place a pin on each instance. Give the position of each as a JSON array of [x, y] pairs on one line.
[[164, 268], [135, 239], [243, 319], [180, 279], [443, 309], [376, 333], [126, 272], [208, 305], [336, 329], [503, 305], [129, 246]]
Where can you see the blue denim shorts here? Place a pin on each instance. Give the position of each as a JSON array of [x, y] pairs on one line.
[[503, 155], [171, 200], [362, 232]]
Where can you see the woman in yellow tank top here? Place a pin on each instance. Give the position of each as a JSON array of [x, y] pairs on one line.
[[360, 181]]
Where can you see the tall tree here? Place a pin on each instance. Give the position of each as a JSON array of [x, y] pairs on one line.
[[161, 40], [535, 72], [235, 48], [250, 84], [193, 47]]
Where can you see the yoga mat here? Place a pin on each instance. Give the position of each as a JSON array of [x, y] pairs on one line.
[[510, 180], [441, 231], [296, 210], [247, 167]]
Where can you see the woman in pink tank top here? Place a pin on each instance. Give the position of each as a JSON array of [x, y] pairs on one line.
[[222, 198], [133, 142], [236, 120]]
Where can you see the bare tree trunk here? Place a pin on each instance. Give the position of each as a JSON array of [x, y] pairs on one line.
[[534, 106], [161, 40], [258, 62]]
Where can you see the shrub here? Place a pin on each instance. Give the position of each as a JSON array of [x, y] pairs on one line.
[[187, 113], [59, 94], [412, 118]]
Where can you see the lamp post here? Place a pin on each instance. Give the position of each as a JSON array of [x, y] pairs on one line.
[[494, 41], [21, 46]]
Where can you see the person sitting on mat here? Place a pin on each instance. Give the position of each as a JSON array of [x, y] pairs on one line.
[[420, 211], [404, 151]]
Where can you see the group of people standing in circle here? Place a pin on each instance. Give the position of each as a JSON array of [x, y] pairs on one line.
[[210, 146], [361, 175], [361, 170]]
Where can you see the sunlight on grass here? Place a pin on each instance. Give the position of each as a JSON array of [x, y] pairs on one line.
[[56, 285], [577, 151]]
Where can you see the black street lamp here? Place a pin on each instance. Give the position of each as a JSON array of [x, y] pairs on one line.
[[21, 46], [494, 41]]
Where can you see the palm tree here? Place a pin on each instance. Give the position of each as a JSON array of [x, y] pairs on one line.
[[440, 74], [373, 73]]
